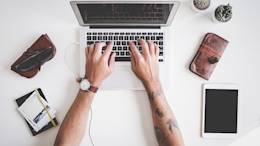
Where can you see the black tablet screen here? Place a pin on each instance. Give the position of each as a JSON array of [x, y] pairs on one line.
[[221, 111]]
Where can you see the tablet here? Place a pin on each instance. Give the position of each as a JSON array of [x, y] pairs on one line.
[[220, 111]]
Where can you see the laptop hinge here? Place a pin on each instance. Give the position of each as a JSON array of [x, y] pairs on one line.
[[124, 27]]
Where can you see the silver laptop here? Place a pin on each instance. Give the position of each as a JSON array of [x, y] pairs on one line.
[[121, 22]]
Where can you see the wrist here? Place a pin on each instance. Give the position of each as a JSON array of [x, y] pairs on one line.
[[87, 86], [152, 85], [95, 83], [86, 95]]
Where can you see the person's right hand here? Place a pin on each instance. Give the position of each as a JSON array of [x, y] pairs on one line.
[[145, 64]]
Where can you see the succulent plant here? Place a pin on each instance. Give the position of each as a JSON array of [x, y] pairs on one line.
[[223, 13], [201, 4]]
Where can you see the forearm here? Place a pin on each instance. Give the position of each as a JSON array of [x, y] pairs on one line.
[[74, 123], [165, 124]]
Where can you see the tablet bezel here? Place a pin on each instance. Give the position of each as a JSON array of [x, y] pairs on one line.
[[223, 87]]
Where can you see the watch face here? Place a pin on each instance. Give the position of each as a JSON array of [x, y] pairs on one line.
[[84, 84]]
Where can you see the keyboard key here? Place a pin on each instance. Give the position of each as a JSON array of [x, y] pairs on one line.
[[131, 37], [126, 38], [152, 37], [124, 43], [104, 37], [160, 60], [160, 53], [110, 37], [147, 37], [88, 37], [125, 48], [123, 59], [100, 33], [160, 43], [127, 53], [117, 53], [94, 37], [120, 37], [122, 53], [114, 48], [115, 37], [118, 43], [99, 37], [107, 42], [159, 38], [119, 48], [90, 42]]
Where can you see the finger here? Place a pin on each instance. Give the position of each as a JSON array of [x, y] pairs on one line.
[[90, 49], [108, 50], [134, 51], [157, 50], [151, 47], [112, 61], [86, 51], [145, 48], [98, 48], [133, 62]]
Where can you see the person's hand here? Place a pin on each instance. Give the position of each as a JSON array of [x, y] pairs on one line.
[[145, 64], [99, 66]]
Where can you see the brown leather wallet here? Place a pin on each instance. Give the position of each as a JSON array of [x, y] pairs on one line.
[[208, 55], [41, 51]]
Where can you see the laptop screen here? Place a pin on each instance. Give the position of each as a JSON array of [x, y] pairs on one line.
[[125, 13]]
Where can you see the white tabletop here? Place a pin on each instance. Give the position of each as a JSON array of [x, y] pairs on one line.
[[123, 118]]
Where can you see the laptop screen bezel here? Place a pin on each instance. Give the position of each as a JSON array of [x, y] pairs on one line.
[[74, 5]]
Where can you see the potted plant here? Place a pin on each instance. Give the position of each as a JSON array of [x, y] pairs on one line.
[[200, 5], [222, 13]]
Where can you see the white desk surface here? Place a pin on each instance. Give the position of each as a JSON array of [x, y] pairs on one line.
[[123, 118]]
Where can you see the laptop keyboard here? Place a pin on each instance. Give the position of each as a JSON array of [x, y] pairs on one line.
[[121, 39]]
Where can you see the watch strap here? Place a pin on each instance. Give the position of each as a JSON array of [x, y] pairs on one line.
[[93, 89]]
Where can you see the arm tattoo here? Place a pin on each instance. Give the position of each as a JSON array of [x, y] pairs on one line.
[[172, 124], [160, 135], [159, 113], [153, 94]]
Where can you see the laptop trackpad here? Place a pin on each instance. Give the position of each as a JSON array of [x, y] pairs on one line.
[[122, 78]]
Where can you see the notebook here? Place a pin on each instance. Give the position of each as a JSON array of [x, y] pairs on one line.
[[22, 99]]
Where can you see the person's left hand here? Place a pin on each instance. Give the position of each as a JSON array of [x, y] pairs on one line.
[[99, 66]]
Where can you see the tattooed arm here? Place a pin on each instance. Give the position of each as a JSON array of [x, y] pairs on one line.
[[145, 66], [165, 124]]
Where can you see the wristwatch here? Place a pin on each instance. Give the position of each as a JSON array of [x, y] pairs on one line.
[[86, 86]]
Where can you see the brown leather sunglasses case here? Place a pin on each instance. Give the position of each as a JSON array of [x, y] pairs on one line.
[[30, 62]]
